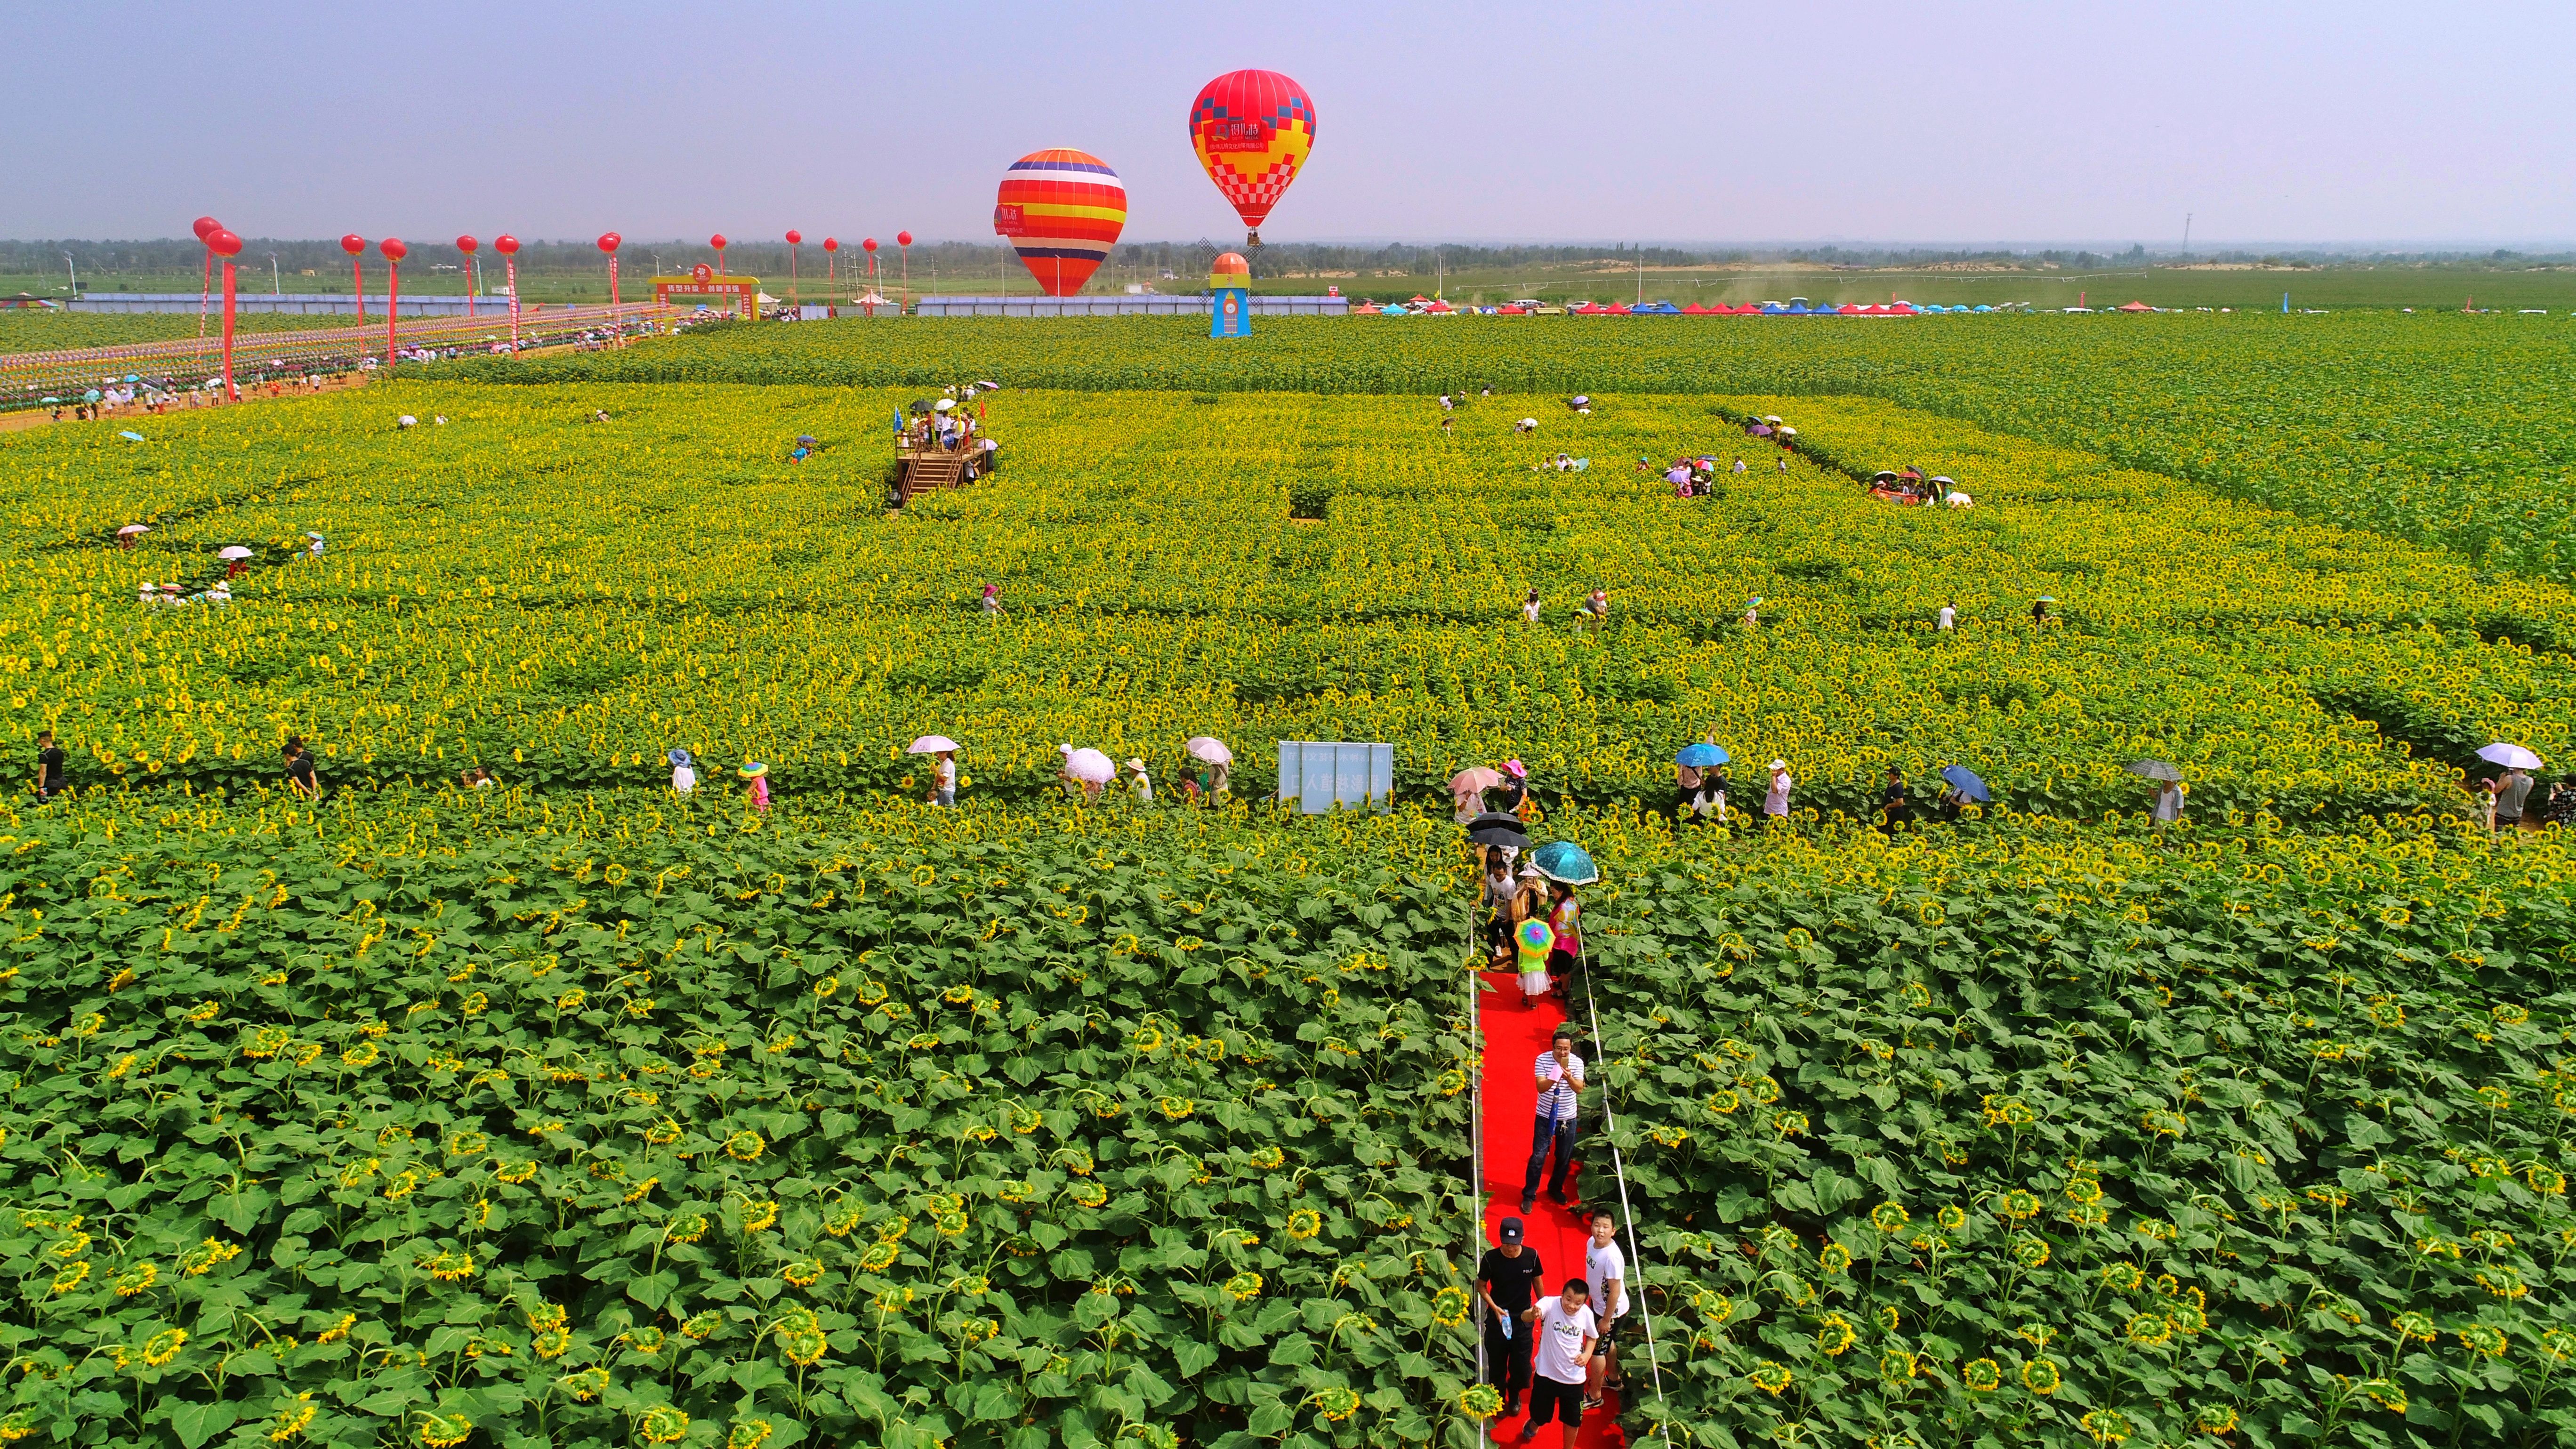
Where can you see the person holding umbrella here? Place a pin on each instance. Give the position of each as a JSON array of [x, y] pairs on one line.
[[233, 558], [1963, 789], [1497, 830], [2039, 610], [1565, 866], [943, 767], [2508, 792], [757, 791], [1215, 777], [684, 773], [1691, 776], [1084, 772], [1467, 791], [2169, 791], [1512, 788]]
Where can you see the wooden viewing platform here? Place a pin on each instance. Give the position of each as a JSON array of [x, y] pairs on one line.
[[921, 464]]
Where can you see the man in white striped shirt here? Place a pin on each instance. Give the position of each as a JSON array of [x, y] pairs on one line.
[[1560, 1083]]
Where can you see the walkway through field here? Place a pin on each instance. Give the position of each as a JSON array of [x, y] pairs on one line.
[[1515, 1032]]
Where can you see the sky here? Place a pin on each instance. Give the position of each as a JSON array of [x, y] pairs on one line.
[[1923, 121]]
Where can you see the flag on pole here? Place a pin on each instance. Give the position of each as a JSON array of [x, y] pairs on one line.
[[898, 420]]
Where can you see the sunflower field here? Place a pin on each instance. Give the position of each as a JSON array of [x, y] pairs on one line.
[[564, 601], [575, 1112], [2443, 429]]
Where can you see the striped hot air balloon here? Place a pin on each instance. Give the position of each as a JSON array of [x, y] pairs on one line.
[[1063, 211], [1252, 129]]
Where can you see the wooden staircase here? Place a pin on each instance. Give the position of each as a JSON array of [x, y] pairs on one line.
[[920, 470]]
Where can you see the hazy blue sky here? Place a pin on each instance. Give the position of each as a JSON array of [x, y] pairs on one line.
[[1910, 120]]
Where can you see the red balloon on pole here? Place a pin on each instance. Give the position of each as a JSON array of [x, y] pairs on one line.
[[903, 238], [831, 244], [467, 244], [717, 241], [394, 252], [609, 241], [508, 246], [353, 244], [795, 238], [223, 243], [207, 226], [868, 245]]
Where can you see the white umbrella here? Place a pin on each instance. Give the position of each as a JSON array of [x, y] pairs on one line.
[[2512, 757], [1788, 432], [943, 405], [1201, 747], [1088, 765], [1529, 422], [236, 551], [132, 529], [931, 745], [1771, 418]]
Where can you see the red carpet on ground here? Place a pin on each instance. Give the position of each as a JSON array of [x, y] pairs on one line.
[[1516, 1031]]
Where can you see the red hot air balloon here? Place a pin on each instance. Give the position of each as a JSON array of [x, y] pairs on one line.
[[467, 244], [353, 244], [609, 241], [207, 226], [718, 242], [903, 238], [868, 245], [393, 248], [1063, 211], [506, 244], [223, 243], [831, 244], [796, 238], [1252, 130]]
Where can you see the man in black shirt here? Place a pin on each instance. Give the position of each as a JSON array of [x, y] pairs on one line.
[[299, 771], [50, 760], [1891, 801], [1508, 1278]]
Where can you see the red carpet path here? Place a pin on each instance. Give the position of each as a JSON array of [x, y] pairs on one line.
[[1516, 1031]]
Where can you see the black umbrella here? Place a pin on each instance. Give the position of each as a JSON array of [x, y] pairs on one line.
[[2155, 770], [1496, 827]]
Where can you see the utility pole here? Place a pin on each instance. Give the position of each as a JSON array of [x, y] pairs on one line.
[[1641, 274], [2186, 236]]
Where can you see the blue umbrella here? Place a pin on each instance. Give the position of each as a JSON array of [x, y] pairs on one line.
[[1700, 757], [137, 437], [1563, 860], [1965, 781]]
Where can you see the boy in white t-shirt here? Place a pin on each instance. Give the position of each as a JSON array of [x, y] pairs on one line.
[[1561, 1353], [1605, 1273]]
